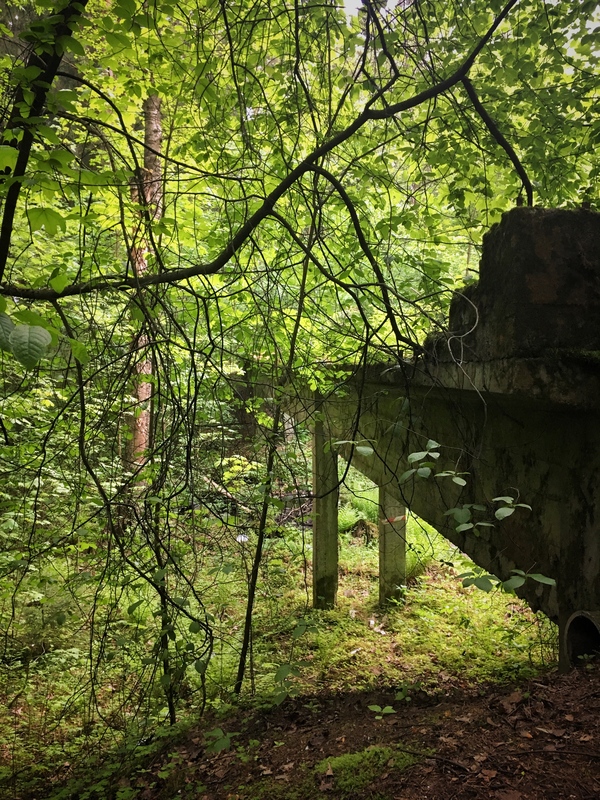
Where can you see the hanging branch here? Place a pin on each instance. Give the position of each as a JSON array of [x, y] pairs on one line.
[[500, 138], [239, 239]]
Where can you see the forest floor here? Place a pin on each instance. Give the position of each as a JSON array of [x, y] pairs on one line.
[[538, 740], [450, 694]]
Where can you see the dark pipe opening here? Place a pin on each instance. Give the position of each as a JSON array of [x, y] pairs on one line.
[[583, 639]]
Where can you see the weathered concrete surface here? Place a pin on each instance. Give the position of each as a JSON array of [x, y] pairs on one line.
[[392, 545], [512, 393], [325, 519], [538, 289]]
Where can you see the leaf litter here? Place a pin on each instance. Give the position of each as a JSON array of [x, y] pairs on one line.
[[536, 741]]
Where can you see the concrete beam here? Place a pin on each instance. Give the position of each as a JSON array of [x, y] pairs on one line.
[[392, 546], [325, 519]]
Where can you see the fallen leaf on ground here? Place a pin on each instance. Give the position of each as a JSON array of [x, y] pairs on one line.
[[508, 704], [488, 774], [552, 732]]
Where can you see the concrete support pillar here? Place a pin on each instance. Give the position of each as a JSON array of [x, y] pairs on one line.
[[392, 546], [325, 519]]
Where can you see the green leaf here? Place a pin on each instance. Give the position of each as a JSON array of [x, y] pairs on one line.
[[195, 627], [466, 526], [29, 344], [460, 514], [159, 575], [418, 456], [483, 582], [8, 157], [59, 282], [200, 666], [29, 317], [424, 472], [283, 672], [505, 511], [134, 606], [431, 444], [46, 218], [136, 313], [79, 351], [406, 475], [503, 499], [542, 579], [459, 481], [513, 583], [219, 744], [71, 44], [364, 450], [7, 326]]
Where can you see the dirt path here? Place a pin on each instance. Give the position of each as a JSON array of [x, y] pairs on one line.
[[537, 742]]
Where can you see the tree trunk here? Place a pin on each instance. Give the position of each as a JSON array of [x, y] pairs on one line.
[[147, 191]]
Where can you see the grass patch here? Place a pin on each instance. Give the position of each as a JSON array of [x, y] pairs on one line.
[[352, 772]]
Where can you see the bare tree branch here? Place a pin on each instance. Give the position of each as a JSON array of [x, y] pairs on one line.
[[500, 138]]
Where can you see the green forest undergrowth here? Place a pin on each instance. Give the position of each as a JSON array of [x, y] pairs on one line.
[[439, 634]]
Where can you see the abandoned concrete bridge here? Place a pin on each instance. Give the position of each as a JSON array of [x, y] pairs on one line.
[[505, 404]]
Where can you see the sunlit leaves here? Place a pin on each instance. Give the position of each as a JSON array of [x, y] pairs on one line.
[[49, 219], [59, 281], [8, 157], [79, 351]]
